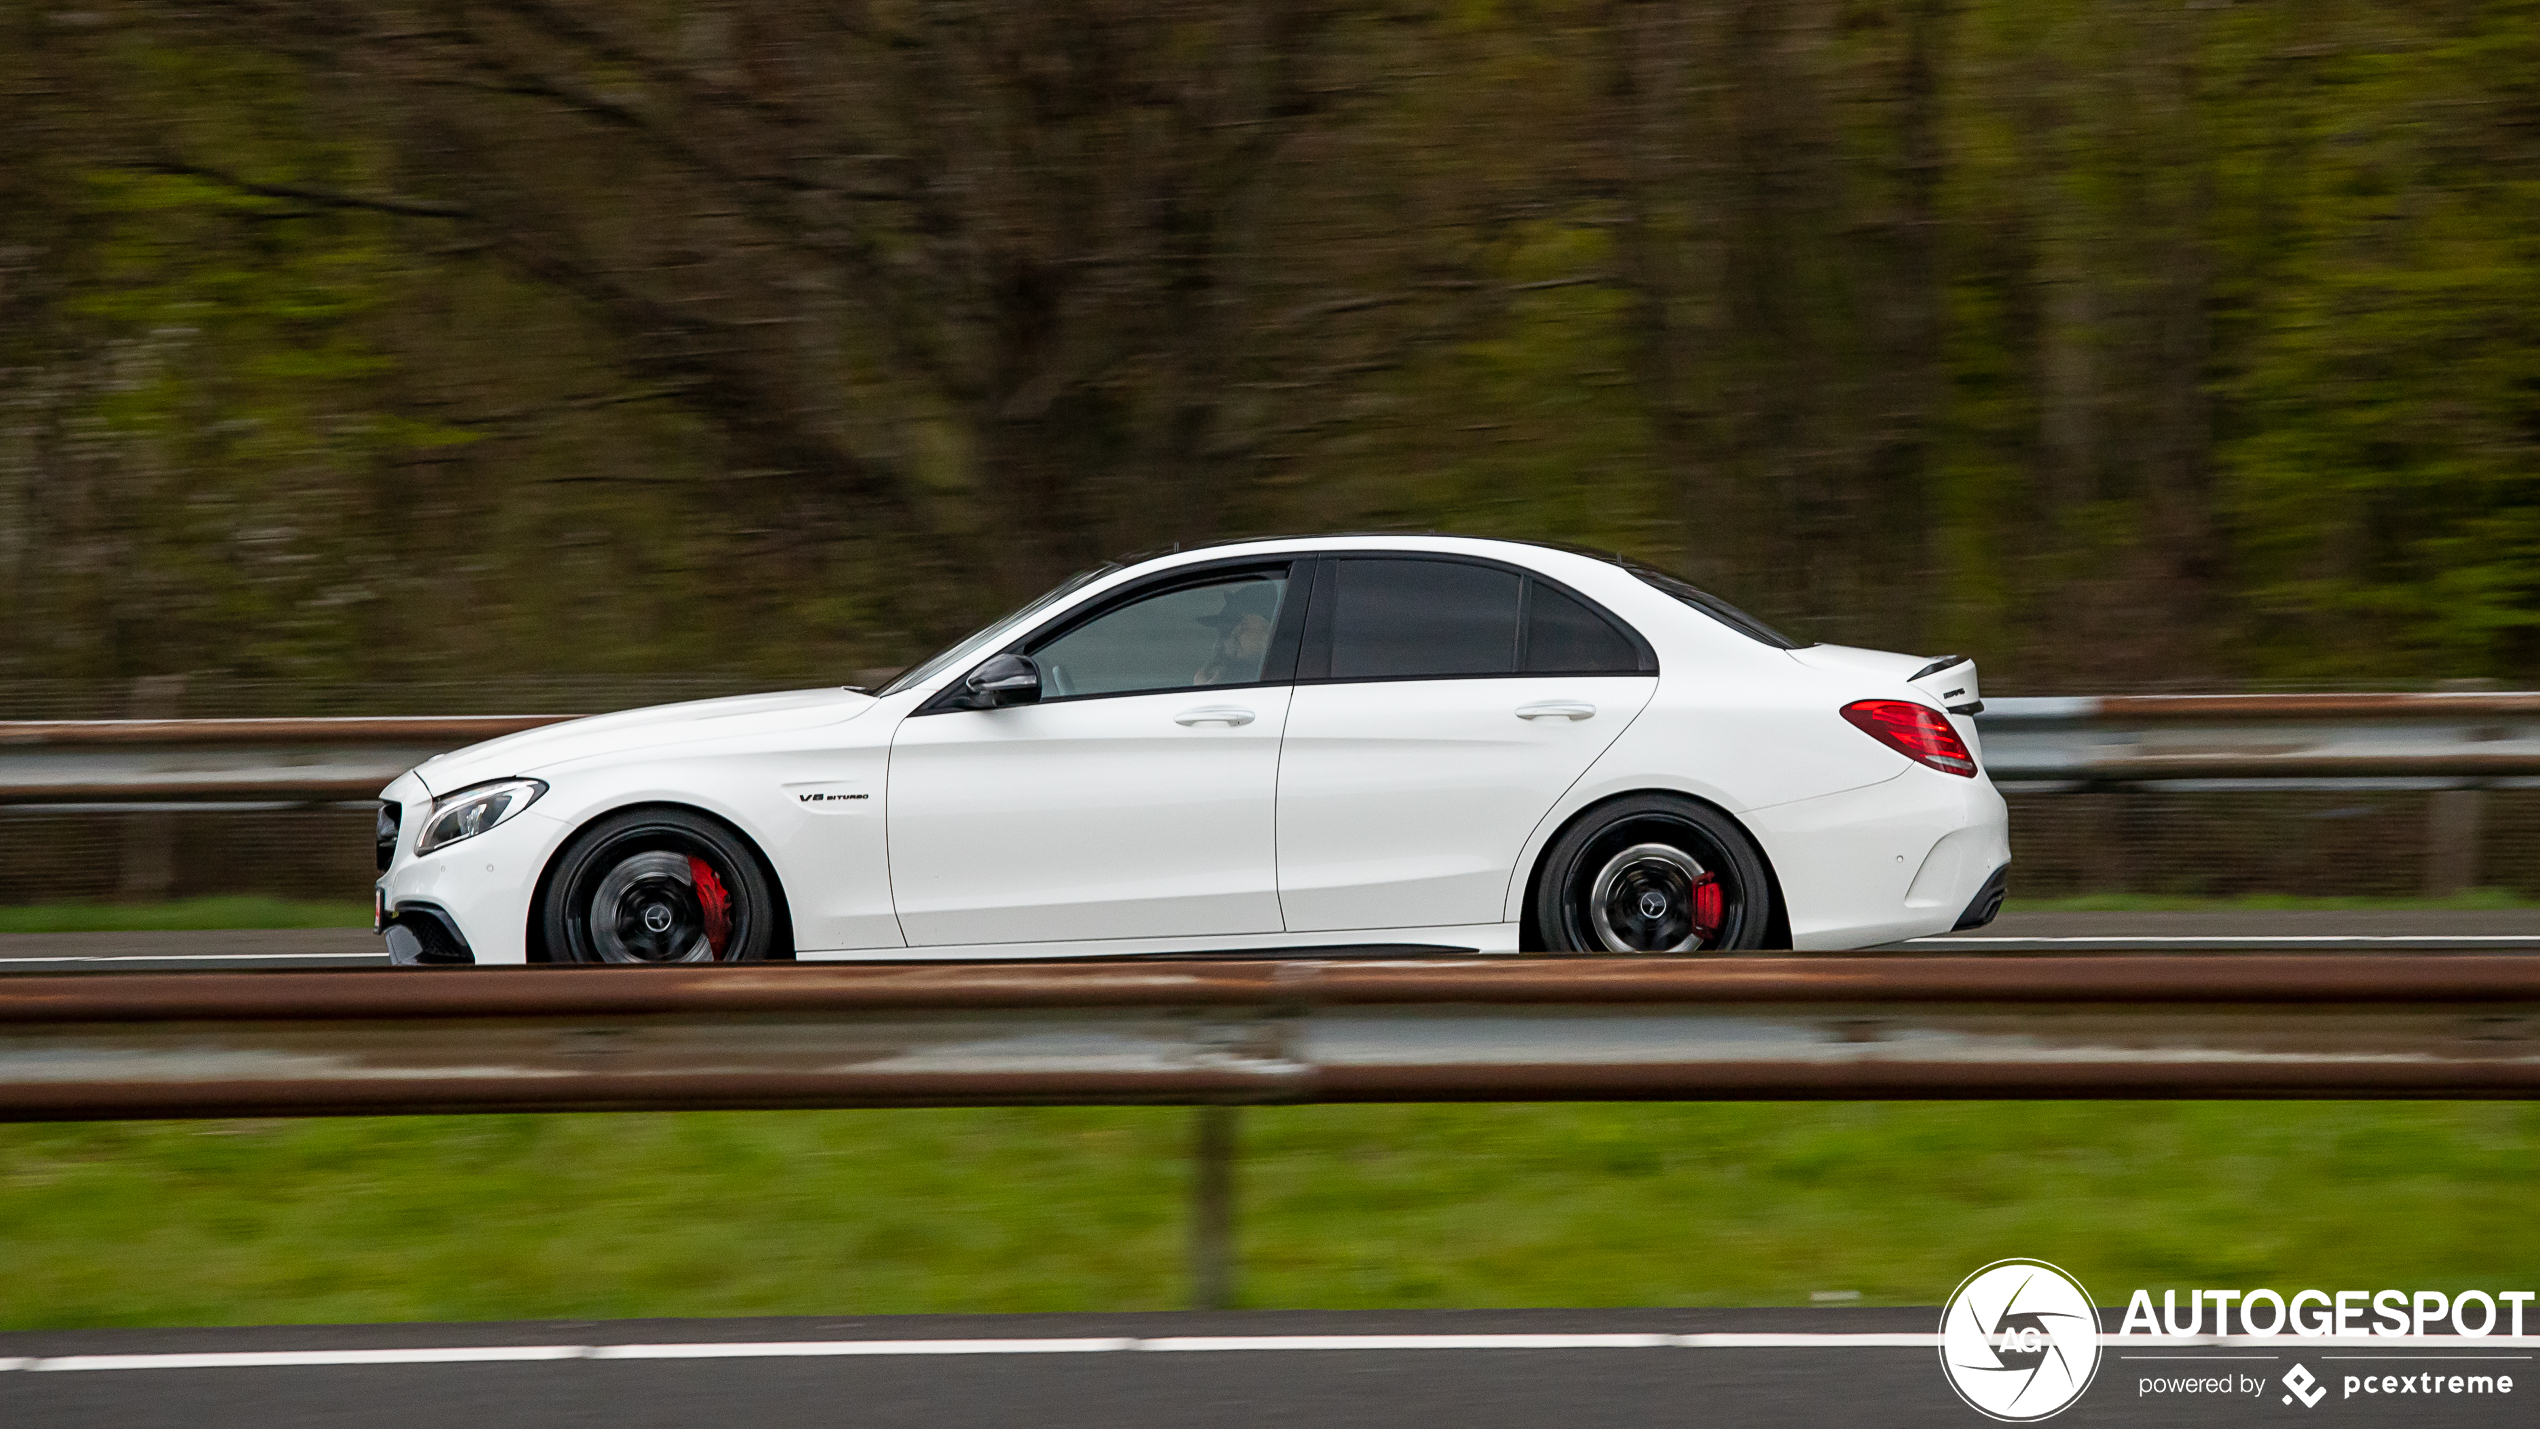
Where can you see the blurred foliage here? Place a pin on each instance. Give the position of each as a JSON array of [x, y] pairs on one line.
[[2123, 346], [877, 1212]]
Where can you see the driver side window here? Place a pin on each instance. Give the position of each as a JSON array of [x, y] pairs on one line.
[[1215, 633]]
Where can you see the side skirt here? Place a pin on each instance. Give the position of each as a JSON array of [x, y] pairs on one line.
[[1364, 942]]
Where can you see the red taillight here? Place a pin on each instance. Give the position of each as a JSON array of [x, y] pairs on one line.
[[1918, 732]]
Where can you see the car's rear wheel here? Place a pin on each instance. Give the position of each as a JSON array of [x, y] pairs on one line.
[[658, 886], [1653, 873]]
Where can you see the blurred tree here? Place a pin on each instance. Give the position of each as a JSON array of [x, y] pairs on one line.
[[2120, 346]]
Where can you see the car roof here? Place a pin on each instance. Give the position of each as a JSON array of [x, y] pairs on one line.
[[1362, 540], [1606, 570]]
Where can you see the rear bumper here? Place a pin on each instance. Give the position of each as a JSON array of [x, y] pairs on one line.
[[1904, 858], [1987, 903]]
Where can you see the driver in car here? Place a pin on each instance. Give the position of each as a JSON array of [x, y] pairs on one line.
[[1243, 635]]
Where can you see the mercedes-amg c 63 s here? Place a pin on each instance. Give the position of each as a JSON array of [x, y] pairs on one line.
[[1367, 741]]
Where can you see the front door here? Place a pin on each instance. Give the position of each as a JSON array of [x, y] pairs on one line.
[[1442, 708], [1137, 799]]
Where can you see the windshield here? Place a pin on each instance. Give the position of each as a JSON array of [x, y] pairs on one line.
[[1711, 605], [935, 663]]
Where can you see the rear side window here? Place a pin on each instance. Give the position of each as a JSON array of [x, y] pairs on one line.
[[1564, 637], [1412, 619], [1711, 605]]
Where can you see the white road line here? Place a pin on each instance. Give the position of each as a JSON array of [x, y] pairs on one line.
[[795, 1349], [798, 1349], [304, 1359], [6, 961], [780, 1349], [2533, 937], [1213, 1343]]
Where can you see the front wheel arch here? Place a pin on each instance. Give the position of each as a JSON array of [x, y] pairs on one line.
[[1530, 937], [780, 950]]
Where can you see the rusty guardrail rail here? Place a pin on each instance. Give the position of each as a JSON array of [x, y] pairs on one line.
[[1424, 1029], [2092, 741], [115, 761], [2134, 739]]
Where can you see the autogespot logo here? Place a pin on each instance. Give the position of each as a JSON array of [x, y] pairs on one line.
[[2019, 1340]]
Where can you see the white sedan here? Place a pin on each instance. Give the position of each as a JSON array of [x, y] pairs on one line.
[[1369, 742]]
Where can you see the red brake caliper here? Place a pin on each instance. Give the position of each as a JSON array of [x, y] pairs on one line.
[[717, 902], [1708, 904]]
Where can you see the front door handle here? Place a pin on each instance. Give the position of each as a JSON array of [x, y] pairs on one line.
[[1557, 709], [1226, 715]]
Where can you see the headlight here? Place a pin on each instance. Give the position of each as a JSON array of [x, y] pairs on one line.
[[470, 812]]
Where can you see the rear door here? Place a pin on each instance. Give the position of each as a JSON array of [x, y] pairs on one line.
[[1135, 800], [1442, 706]]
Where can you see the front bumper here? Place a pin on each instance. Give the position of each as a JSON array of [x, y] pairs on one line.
[[420, 935], [466, 902]]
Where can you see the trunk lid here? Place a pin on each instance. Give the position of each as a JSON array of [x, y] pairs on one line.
[[1948, 681]]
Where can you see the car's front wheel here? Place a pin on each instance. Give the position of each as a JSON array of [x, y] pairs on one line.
[[658, 886], [1653, 873]]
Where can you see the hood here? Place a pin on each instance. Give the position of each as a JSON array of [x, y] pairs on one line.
[[627, 730]]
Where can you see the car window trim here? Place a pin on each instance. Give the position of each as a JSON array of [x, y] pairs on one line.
[[1314, 661], [1277, 667]]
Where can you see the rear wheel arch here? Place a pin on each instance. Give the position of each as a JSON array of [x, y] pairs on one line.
[[1530, 934], [781, 949]]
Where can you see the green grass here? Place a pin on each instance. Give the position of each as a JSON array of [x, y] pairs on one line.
[[836, 1213], [238, 910], [2473, 900]]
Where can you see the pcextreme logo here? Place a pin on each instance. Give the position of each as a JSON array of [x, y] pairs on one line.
[[2019, 1340]]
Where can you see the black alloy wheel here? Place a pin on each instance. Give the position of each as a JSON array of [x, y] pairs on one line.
[[658, 886], [1652, 873]]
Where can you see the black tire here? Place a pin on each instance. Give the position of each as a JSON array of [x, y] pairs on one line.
[[1643, 861], [638, 887]]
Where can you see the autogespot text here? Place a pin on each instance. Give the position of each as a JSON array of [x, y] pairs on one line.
[[2323, 1314]]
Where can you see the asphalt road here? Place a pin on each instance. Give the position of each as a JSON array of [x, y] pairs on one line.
[[2499, 930], [1397, 1370], [2502, 930], [173, 952]]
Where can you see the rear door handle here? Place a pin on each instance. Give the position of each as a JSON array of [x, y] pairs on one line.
[[1216, 714], [1563, 709]]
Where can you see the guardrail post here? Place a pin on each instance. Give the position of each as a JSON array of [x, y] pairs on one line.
[[148, 868], [2452, 820], [1213, 1208], [2115, 830]]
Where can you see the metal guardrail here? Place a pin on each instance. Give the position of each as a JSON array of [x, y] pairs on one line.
[[2053, 742], [118, 761], [2132, 739], [1445, 1029]]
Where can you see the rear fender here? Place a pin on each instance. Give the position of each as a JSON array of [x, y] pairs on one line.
[[1530, 938]]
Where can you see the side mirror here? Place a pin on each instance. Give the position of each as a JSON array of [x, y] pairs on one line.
[[1004, 680]]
